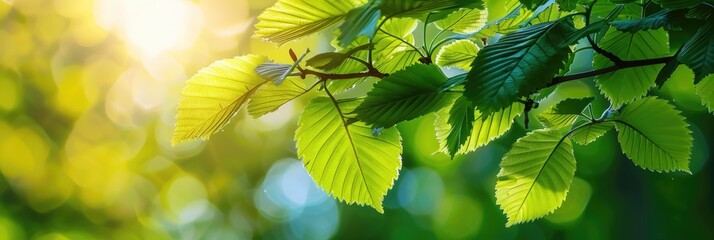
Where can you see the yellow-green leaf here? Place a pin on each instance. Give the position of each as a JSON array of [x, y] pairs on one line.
[[535, 175], [591, 132], [564, 113], [484, 129], [626, 85], [288, 20], [464, 21], [270, 96], [654, 135], [214, 95], [346, 160], [458, 54], [705, 90]]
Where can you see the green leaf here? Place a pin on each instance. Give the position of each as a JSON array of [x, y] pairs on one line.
[[391, 52], [270, 97], [654, 135], [465, 21], [564, 113], [278, 72], [517, 65], [568, 5], [533, 4], [453, 82], [509, 23], [361, 21], [418, 9], [591, 132], [308, 17], [535, 176], [666, 72], [462, 129], [670, 19], [346, 160], [705, 90], [214, 95], [698, 52], [403, 96], [549, 14], [328, 60], [458, 54], [625, 85]]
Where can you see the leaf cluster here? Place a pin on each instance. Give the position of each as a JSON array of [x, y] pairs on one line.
[[505, 68]]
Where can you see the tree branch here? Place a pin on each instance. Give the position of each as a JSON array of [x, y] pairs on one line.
[[372, 72], [621, 65]]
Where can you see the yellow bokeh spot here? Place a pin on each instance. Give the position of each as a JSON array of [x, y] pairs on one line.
[[180, 193], [10, 230], [88, 34], [22, 152], [70, 98], [10, 93]]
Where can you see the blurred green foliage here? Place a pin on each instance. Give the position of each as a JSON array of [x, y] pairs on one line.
[[88, 92]]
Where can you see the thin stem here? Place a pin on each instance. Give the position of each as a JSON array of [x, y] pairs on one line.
[[372, 72]]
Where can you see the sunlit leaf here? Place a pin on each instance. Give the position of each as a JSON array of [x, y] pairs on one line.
[[509, 23], [533, 4], [292, 19], [535, 176], [625, 85], [458, 54], [347, 161], [462, 129], [654, 135], [278, 72], [270, 97], [591, 132], [464, 21], [214, 95], [404, 95]]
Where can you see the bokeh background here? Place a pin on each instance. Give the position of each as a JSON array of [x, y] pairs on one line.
[[88, 90]]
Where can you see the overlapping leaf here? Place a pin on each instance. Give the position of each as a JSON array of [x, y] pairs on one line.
[[680, 4], [463, 129], [420, 8], [625, 85], [518, 64], [292, 19], [404, 95], [458, 54], [591, 132], [705, 90], [670, 19], [509, 23], [564, 113], [214, 95], [654, 135], [698, 52], [465, 21], [346, 160], [270, 97], [535, 176]]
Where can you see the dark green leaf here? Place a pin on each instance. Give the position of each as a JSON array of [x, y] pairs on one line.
[[568, 5], [671, 20], [698, 52], [361, 21], [680, 4], [666, 72], [517, 65], [404, 95]]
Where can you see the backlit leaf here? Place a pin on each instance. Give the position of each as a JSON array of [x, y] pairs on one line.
[[625, 85], [214, 95], [292, 19], [654, 135], [458, 54], [347, 161], [535, 176], [270, 97], [464, 21], [564, 113], [705, 90], [698, 52], [591, 132]]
